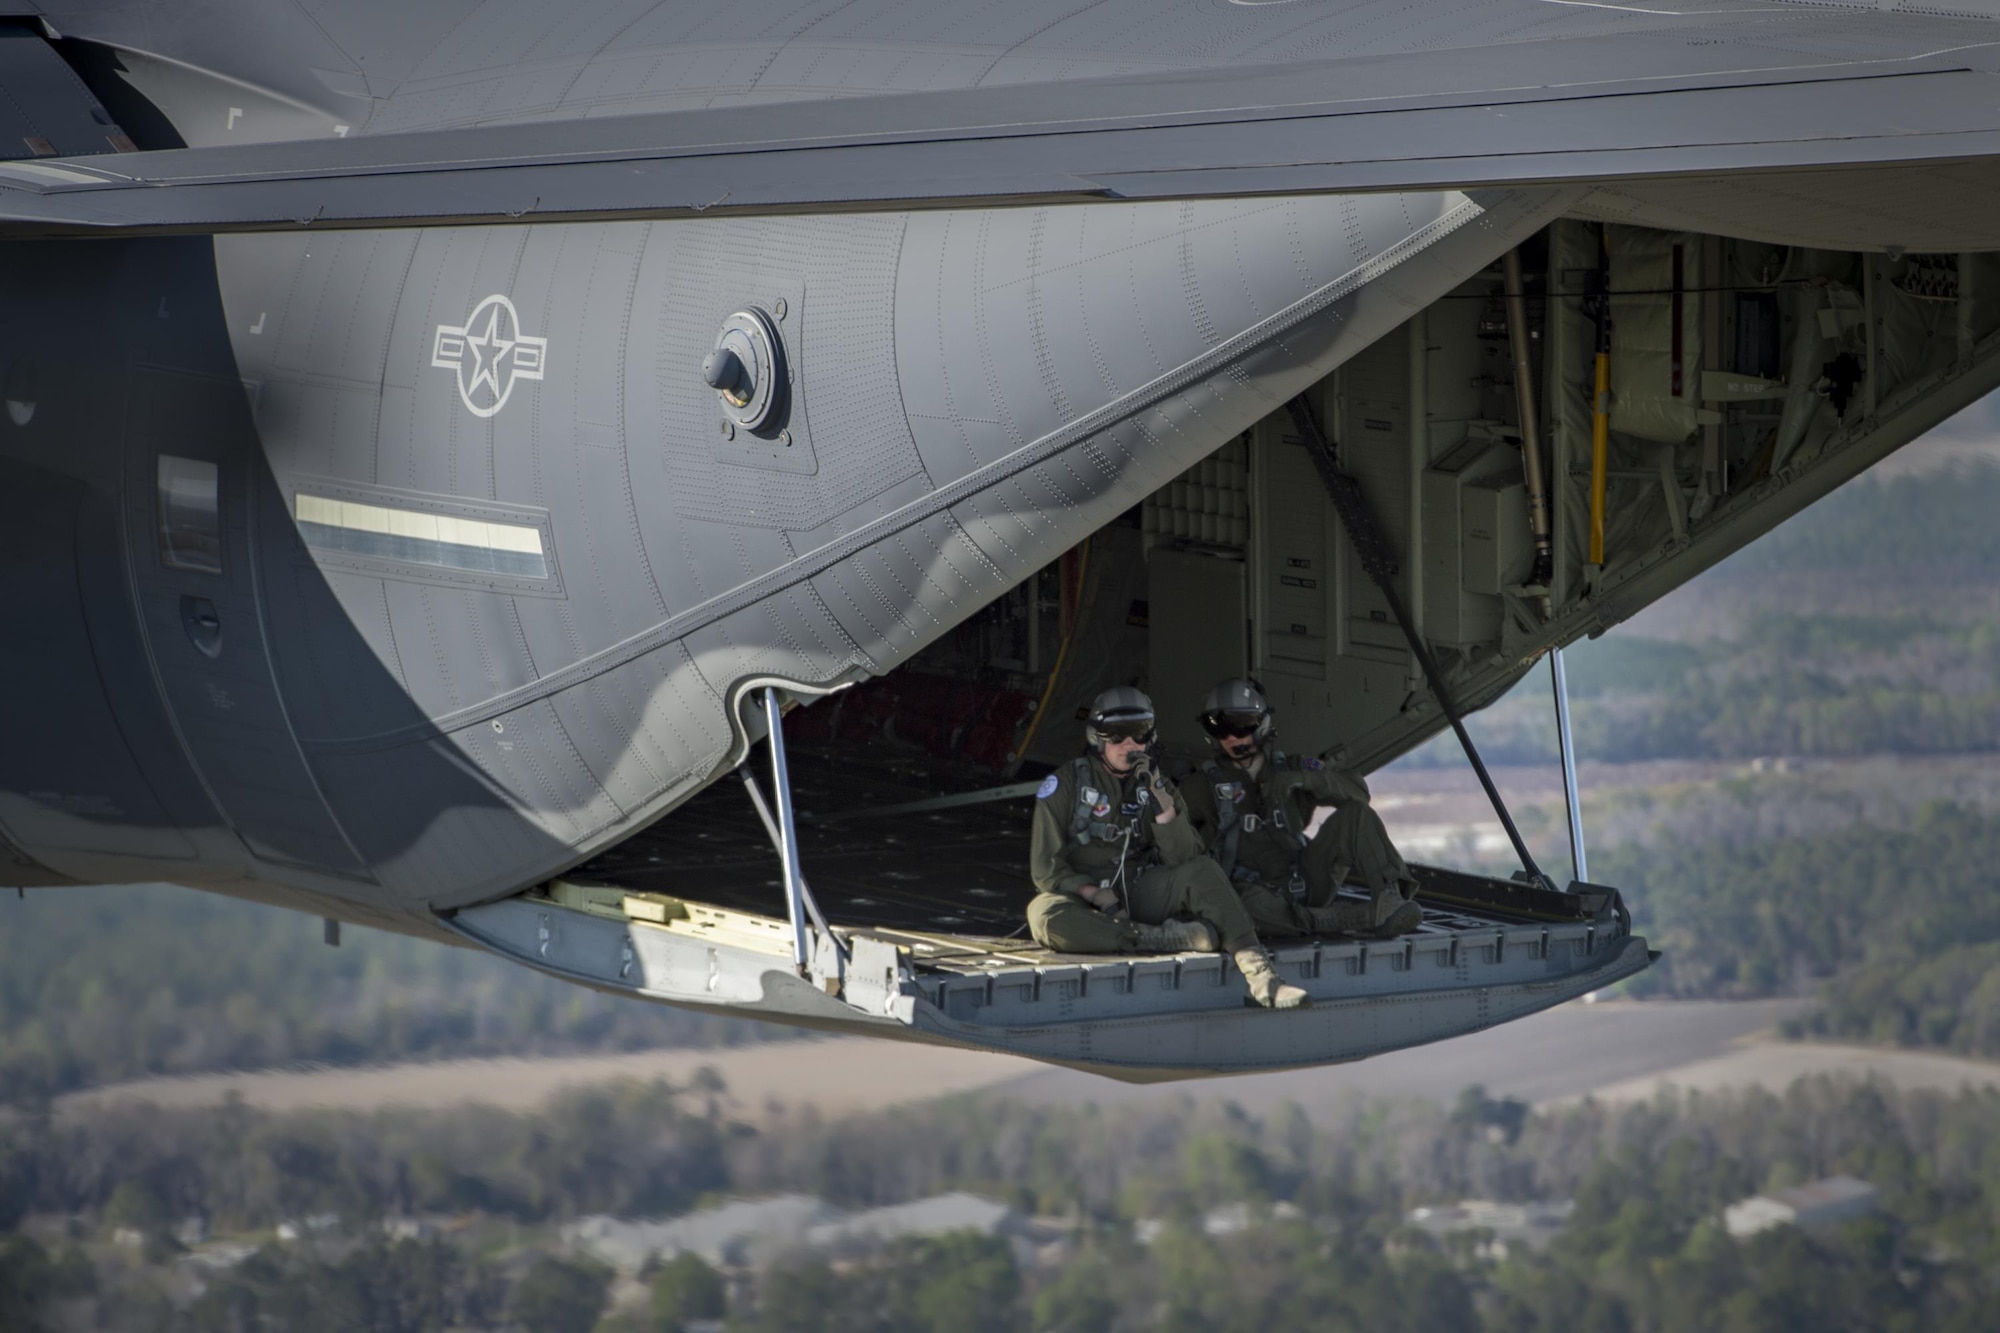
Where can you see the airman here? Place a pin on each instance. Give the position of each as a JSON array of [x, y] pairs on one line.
[[1252, 803]]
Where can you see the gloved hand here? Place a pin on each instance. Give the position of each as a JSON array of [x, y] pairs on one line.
[[1149, 782]]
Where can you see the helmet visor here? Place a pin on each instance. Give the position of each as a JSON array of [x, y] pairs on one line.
[[1232, 722], [1133, 727]]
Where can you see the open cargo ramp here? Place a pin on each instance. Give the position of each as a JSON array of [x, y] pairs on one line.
[[921, 912], [1141, 1018]]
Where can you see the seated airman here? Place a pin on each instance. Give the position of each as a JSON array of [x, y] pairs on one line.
[[1252, 803]]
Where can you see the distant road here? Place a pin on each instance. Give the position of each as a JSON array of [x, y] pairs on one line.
[[1619, 1050]]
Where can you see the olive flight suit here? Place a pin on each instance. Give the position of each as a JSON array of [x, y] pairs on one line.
[[1254, 826], [1088, 822]]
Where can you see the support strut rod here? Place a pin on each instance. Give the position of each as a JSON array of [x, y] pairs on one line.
[[1378, 561], [784, 832], [1566, 741], [1530, 418], [763, 809]]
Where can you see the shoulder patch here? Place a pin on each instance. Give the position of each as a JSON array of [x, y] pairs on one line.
[[1314, 765], [1047, 789]]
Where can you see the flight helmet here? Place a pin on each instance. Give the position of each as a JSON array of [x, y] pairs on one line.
[[1238, 708], [1120, 713]]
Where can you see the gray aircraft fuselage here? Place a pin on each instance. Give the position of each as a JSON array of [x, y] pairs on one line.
[[332, 717], [376, 725]]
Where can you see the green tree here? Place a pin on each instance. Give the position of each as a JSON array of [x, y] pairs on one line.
[[18, 1165], [1222, 1167], [136, 1205], [27, 1284], [964, 1283], [1082, 1298], [800, 1298], [561, 1296], [383, 1287], [685, 1288]]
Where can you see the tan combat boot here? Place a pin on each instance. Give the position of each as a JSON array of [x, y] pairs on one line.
[[1341, 918], [1266, 986], [1392, 911], [1176, 937], [1386, 917]]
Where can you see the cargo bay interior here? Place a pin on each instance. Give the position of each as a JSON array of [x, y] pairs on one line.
[[1684, 392]]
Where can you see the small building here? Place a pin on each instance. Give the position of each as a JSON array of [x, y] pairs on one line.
[[754, 1233], [295, 1229], [218, 1257], [1823, 1203], [934, 1216], [1501, 1228], [744, 1233], [1229, 1219], [409, 1228]]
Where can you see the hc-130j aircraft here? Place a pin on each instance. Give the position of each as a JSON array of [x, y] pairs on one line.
[[444, 439]]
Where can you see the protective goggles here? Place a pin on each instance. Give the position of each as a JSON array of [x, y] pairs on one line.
[[1135, 728], [1231, 723]]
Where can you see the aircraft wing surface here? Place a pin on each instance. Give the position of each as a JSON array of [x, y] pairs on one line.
[[1639, 106]]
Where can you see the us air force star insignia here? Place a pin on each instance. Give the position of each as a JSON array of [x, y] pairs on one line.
[[490, 353]]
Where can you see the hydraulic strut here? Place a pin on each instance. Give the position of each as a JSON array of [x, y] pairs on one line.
[[800, 908], [1378, 561], [1530, 419], [1566, 743]]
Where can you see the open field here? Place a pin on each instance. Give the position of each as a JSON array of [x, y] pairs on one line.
[[1441, 814], [1776, 1065], [1619, 1050], [837, 1077]]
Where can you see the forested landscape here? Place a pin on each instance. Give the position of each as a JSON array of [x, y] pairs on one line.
[[1324, 1241], [1864, 626], [102, 984], [1897, 929], [1824, 686]]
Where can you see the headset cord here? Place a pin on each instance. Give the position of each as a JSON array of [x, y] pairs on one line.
[[1118, 879], [1143, 796]]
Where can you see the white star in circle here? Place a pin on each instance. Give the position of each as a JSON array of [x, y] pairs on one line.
[[485, 370], [497, 356]]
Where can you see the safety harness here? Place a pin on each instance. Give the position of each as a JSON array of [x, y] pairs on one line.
[[1232, 823], [1087, 825]]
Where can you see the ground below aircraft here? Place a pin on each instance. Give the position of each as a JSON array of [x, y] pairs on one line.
[[442, 440]]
